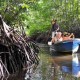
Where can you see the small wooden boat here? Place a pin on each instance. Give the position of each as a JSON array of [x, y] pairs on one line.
[[67, 46]]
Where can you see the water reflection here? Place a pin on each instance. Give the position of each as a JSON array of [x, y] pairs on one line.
[[69, 64], [64, 65], [45, 69], [75, 65], [56, 67], [52, 68]]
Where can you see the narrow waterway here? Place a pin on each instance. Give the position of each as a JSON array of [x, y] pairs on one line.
[[50, 68]]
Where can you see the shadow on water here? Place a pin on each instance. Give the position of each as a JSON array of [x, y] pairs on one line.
[[52, 67]]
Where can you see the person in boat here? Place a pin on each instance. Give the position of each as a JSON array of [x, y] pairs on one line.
[[67, 36], [62, 37], [57, 38], [55, 27]]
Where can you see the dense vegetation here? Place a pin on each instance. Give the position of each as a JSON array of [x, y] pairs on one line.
[[16, 51], [35, 15]]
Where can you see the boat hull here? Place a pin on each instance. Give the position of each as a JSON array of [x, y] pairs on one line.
[[67, 46]]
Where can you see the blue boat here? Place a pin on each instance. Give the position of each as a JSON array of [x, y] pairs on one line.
[[67, 46]]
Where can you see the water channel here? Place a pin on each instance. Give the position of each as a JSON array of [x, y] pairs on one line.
[[52, 67]]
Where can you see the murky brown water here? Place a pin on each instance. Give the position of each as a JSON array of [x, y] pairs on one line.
[[49, 68]]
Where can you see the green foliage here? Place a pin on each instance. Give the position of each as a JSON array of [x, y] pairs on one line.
[[37, 14]]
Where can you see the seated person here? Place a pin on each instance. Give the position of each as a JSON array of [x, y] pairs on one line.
[[62, 37], [67, 36]]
